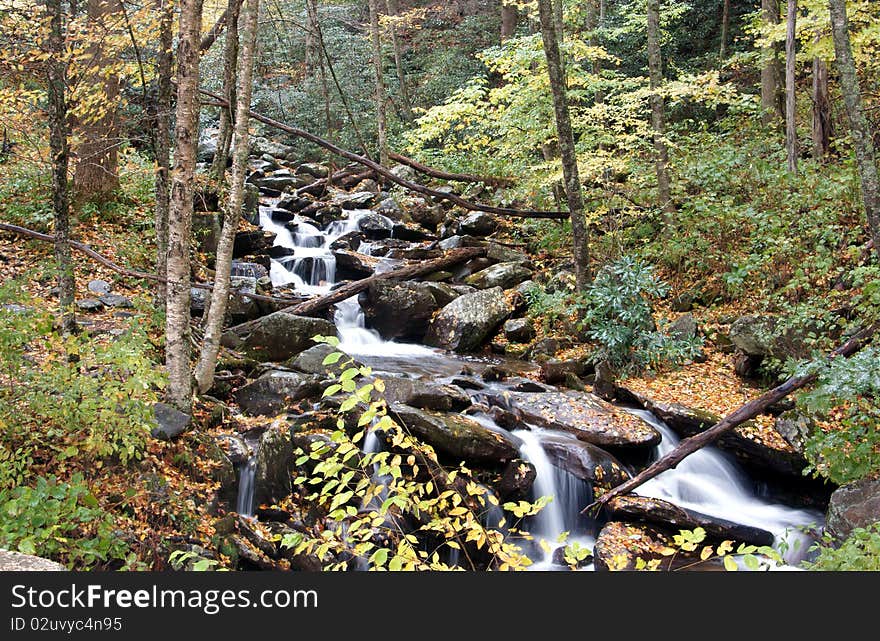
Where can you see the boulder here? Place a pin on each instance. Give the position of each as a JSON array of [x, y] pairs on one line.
[[274, 391], [556, 371], [206, 229], [355, 200], [584, 461], [115, 300], [516, 480], [278, 336], [234, 448], [90, 304], [170, 422], [425, 394], [503, 275], [443, 294], [586, 416], [248, 270], [519, 330], [397, 309], [313, 169], [795, 428], [684, 327], [457, 242], [351, 241], [411, 231], [504, 254], [281, 181], [17, 562], [854, 505], [467, 321], [666, 514], [352, 265], [619, 545], [275, 466], [99, 287], [425, 213], [458, 436], [375, 226], [311, 361], [478, 223], [248, 243]]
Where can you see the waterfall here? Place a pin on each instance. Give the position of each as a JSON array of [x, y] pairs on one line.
[[244, 503]]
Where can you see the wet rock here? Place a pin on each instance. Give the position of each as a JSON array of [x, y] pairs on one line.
[[467, 321], [278, 336], [411, 231], [275, 465], [248, 270], [586, 416], [425, 213], [99, 287], [17, 562], [855, 505], [528, 385], [519, 330], [355, 200], [248, 243], [90, 304], [352, 265], [663, 513], [312, 169], [375, 226], [584, 461], [398, 309], [516, 480], [311, 361], [503, 275], [274, 391], [443, 294], [467, 382], [425, 394], [170, 422], [458, 436], [478, 223], [560, 560], [619, 545], [351, 241], [293, 203], [555, 371], [234, 448], [457, 242]]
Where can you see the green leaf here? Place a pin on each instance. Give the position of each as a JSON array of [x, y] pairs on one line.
[[730, 564], [331, 359]]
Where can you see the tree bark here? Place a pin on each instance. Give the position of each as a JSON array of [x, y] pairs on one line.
[[59, 147], [381, 115], [204, 372], [315, 28], [791, 140], [227, 116], [770, 72], [821, 130], [96, 178], [164, 69], [509, 18], [725, 28], [212, 35], [658, 116], [859, 129], [571, 176], [393, 9], [177, 323], [739, 416]]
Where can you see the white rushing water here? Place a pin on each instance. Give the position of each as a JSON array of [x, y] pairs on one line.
[[244, 503]]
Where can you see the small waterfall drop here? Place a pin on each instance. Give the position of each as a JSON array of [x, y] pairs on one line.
[[244, 503]]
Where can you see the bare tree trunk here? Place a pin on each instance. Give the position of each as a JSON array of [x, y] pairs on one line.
[[574, 195], [601, 13], [381, 116], [859, 129], [658, 116], [393, 10], [791, 141], [725, 28], [821, 111], [509, 18], [315, 28], [96, 178], [227, 117], [164, 64], [770, 72], [177, 323], [204, 373], [558, 19], [58, 143]]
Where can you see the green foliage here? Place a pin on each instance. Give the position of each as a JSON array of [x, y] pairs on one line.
[[189, 560], [25, 197], [860, 552], [687, 551], [548, 307], [617, 315], [62, 521], [70, 397]]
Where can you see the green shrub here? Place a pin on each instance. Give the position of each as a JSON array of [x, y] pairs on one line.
[[860, 552], [617, 315], [61, 521]]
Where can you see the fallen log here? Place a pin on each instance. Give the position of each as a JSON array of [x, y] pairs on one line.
[[739, 416], [382, 171], [211, 37], [125, 271], [412, 270], [496, 181]]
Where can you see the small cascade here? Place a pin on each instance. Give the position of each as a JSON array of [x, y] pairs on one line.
[[244, 503]]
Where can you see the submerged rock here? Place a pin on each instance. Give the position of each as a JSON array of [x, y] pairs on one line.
[[278, 336], [458, 436], [274, 391], [586, 416], [467, 321]]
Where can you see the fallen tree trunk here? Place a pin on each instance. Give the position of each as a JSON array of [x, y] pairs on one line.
[[125, 271], [739, 416], [382, 171], [413, 270], [445, 175]]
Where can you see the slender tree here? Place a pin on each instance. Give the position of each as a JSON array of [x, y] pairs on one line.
[[204, 373], [771, 93], [59, 148], [381, 116], [658, 115], [162, 139], [822, 126], [315, 29], [859, 129], [791, 141], [393, 9], [96, 178], [230, 56], [725, 28], [177, 324], [571, 176], [509, 18]]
